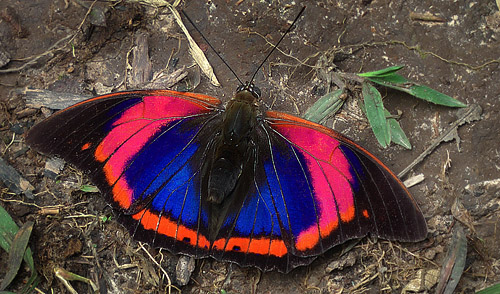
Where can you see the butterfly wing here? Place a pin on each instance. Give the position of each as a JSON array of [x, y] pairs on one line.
[[144, 150], [351, 191], [313, 189]]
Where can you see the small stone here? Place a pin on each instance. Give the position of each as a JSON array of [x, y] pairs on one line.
[[184, 269], [423, 281], [341, 263], [14, 181], [53, 167], [17, 129], [4, 57]]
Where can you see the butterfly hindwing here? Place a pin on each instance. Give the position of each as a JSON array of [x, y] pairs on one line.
[[260, 232]]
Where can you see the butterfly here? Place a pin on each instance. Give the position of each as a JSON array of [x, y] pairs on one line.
[[237, 183], [269, 190]]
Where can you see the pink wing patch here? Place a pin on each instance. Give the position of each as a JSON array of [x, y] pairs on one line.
[[133, 129]]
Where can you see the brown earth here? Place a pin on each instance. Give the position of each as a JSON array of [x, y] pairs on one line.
[[457, 53]]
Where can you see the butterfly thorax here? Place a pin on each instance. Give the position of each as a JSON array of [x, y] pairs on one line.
[[240, 118], [226, 175]]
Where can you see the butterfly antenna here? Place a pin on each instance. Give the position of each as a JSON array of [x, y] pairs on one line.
[[210, 45], [276, 46]]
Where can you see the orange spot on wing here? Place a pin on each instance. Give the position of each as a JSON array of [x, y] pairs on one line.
[[307, 239], [238, 244], [347, 215], [327, 230], [219, 244], [260, 246], [311, 237], [122, 194], [365, 213], [278, 248], [86, 146], [167, 227], [99, 153]]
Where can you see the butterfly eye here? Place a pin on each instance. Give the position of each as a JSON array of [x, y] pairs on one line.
[[254, 90], [240, 88]]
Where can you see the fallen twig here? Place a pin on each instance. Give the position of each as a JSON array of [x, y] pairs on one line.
[[36, 58], [472, 113], [36, 98]]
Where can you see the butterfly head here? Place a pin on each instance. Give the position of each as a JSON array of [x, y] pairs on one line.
[[250, 88]]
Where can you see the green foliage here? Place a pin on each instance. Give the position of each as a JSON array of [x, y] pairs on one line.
[[15, 241], [495, 289], [398, 136], [385, 127], [89, 188], [325, 106], [376, 115], [105, 218]]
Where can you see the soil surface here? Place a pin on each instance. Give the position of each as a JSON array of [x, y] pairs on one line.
[[451, 46]]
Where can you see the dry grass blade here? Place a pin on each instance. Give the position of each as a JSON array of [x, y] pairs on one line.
[[455, 262], [472, 113], [65, 276], [196, 52]]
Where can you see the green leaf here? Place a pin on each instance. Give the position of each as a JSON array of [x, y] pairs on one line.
[[389, 79], [8, 230], [105, 218], [495, 289], [89, 188], [16, 253], [431, 95], [376, 115], [398, 136], [381, 72], [325, 106], [422, 92]]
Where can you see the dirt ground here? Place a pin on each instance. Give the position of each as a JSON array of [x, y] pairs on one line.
[[457, 52]]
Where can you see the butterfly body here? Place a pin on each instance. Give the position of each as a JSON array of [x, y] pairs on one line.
[[267, 189], [225, 174]]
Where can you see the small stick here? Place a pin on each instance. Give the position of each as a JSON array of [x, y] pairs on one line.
[[471, 114]]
